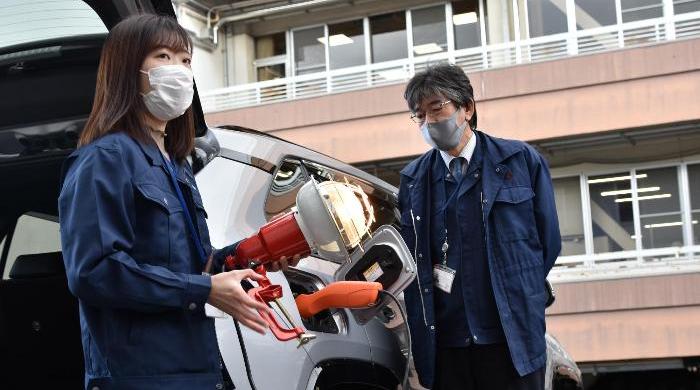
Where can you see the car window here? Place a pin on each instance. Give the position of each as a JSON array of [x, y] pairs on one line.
[[34, 233], [23, 21]]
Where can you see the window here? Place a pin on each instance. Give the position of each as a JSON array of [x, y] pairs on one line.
[[659, 208], [346, 43], [546, 17], [633, 10], [270, 45], [567, 193], [429, 31], [685, 6], [270, 56], [271, 72], [595, 13], [466, 22], [388, 37], [309, 50], [694, 186], [34, 233], [25, 21], [612, 212]]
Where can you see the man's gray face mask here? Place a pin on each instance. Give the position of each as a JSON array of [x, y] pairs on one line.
[[444, 135]]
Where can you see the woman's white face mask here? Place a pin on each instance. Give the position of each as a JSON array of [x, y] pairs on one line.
[[172, 89]]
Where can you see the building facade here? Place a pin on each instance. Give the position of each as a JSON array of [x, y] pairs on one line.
[[607, 90]]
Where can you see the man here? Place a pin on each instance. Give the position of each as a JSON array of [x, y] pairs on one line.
[[478, 214]]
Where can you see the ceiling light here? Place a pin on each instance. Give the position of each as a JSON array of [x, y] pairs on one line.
[[659, 196], [427, 48], [465, 18], [336, 40], [666, 224], [393, 74], [623, 192], [616, 178]]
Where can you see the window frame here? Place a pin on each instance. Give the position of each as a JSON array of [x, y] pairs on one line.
[[10, 236], [586, 170]]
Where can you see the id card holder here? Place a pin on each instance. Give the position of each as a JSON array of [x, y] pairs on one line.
[[443, 277]]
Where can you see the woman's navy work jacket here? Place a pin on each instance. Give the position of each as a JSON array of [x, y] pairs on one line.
[[522, 240], [132, 263]]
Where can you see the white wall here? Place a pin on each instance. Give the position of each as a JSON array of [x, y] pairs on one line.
[[208, 68], [207, 60]]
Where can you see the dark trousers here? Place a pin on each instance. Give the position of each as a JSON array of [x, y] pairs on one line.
[[482, 367]]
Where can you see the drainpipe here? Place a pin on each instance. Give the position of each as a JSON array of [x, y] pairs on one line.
[[267, 12], [224, 53]]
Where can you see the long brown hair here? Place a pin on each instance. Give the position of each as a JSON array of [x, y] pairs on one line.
[[118, 105]]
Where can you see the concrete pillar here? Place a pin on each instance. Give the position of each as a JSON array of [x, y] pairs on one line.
[[499, 21], [241, 55]]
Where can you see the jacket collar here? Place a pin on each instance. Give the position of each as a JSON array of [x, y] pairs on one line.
[[150, 150], [155, 158]]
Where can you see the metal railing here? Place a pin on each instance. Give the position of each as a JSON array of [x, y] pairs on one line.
[[545, 48], [658, 261]]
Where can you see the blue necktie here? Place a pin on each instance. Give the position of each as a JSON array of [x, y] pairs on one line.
[[457, 167]]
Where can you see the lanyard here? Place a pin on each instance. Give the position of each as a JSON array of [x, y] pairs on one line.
[[190, 226], [445, 245]]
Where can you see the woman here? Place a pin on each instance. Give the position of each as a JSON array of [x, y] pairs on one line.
[[133, 228]]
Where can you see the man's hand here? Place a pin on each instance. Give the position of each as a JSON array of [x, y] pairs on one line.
[[228, 295], [282, 264]]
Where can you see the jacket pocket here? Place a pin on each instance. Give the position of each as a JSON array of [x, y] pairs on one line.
[[167, 202], [513, 213], [158, 215]]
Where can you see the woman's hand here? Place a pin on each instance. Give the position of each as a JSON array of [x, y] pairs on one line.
[[282, 264], [228, 295]]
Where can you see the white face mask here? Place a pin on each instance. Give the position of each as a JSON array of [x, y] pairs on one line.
[[172, 91]]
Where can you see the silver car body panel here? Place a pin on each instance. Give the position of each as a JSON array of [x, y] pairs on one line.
[[234, 195]]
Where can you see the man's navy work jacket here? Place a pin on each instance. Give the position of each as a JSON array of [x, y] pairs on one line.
[[522, 242], [133, 265]]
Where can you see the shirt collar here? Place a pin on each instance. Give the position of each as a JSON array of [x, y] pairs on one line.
[[467, 151]]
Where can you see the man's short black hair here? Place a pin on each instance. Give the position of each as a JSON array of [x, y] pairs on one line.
[[445, 80]]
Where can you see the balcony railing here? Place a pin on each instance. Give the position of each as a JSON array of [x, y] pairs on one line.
[[550, 47], [644, 262]]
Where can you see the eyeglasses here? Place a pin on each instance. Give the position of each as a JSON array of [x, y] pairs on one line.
[[433, 111]]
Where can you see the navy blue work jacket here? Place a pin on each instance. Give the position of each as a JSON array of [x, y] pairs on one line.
[[133, 265], [522, 242]]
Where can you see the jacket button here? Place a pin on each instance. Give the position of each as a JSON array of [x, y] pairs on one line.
[[192, 306], [95, 388], [417, 217], [432, 327], [219, 386], [486, 201], [420, 255], [498, 170], [476, 338], [426, 289]]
